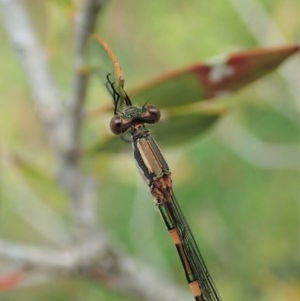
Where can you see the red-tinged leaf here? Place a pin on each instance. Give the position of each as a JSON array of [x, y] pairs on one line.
[[208, 80], [11, 280]]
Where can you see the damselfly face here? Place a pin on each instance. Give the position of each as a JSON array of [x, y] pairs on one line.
[[132, 116], [126, 115]]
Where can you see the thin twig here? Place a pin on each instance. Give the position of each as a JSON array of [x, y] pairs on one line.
[[85, 24], [83, 209], [65, 261]]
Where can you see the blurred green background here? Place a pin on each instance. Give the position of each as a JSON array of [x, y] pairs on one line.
[[244, 214]]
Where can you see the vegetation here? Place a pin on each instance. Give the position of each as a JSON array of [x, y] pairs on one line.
[[238, 183]]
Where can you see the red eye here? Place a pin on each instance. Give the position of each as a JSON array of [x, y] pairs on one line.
[[154, 112], [116, 125]]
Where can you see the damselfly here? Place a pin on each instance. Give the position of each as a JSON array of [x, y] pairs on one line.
[[130, 120]]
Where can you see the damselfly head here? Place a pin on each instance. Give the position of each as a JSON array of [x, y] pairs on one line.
[[120, 123]]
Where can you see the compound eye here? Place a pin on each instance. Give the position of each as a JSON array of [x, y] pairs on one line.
[[154, 112], [116, 125]]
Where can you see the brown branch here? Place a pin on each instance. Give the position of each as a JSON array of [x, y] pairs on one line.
[[82, 189]]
